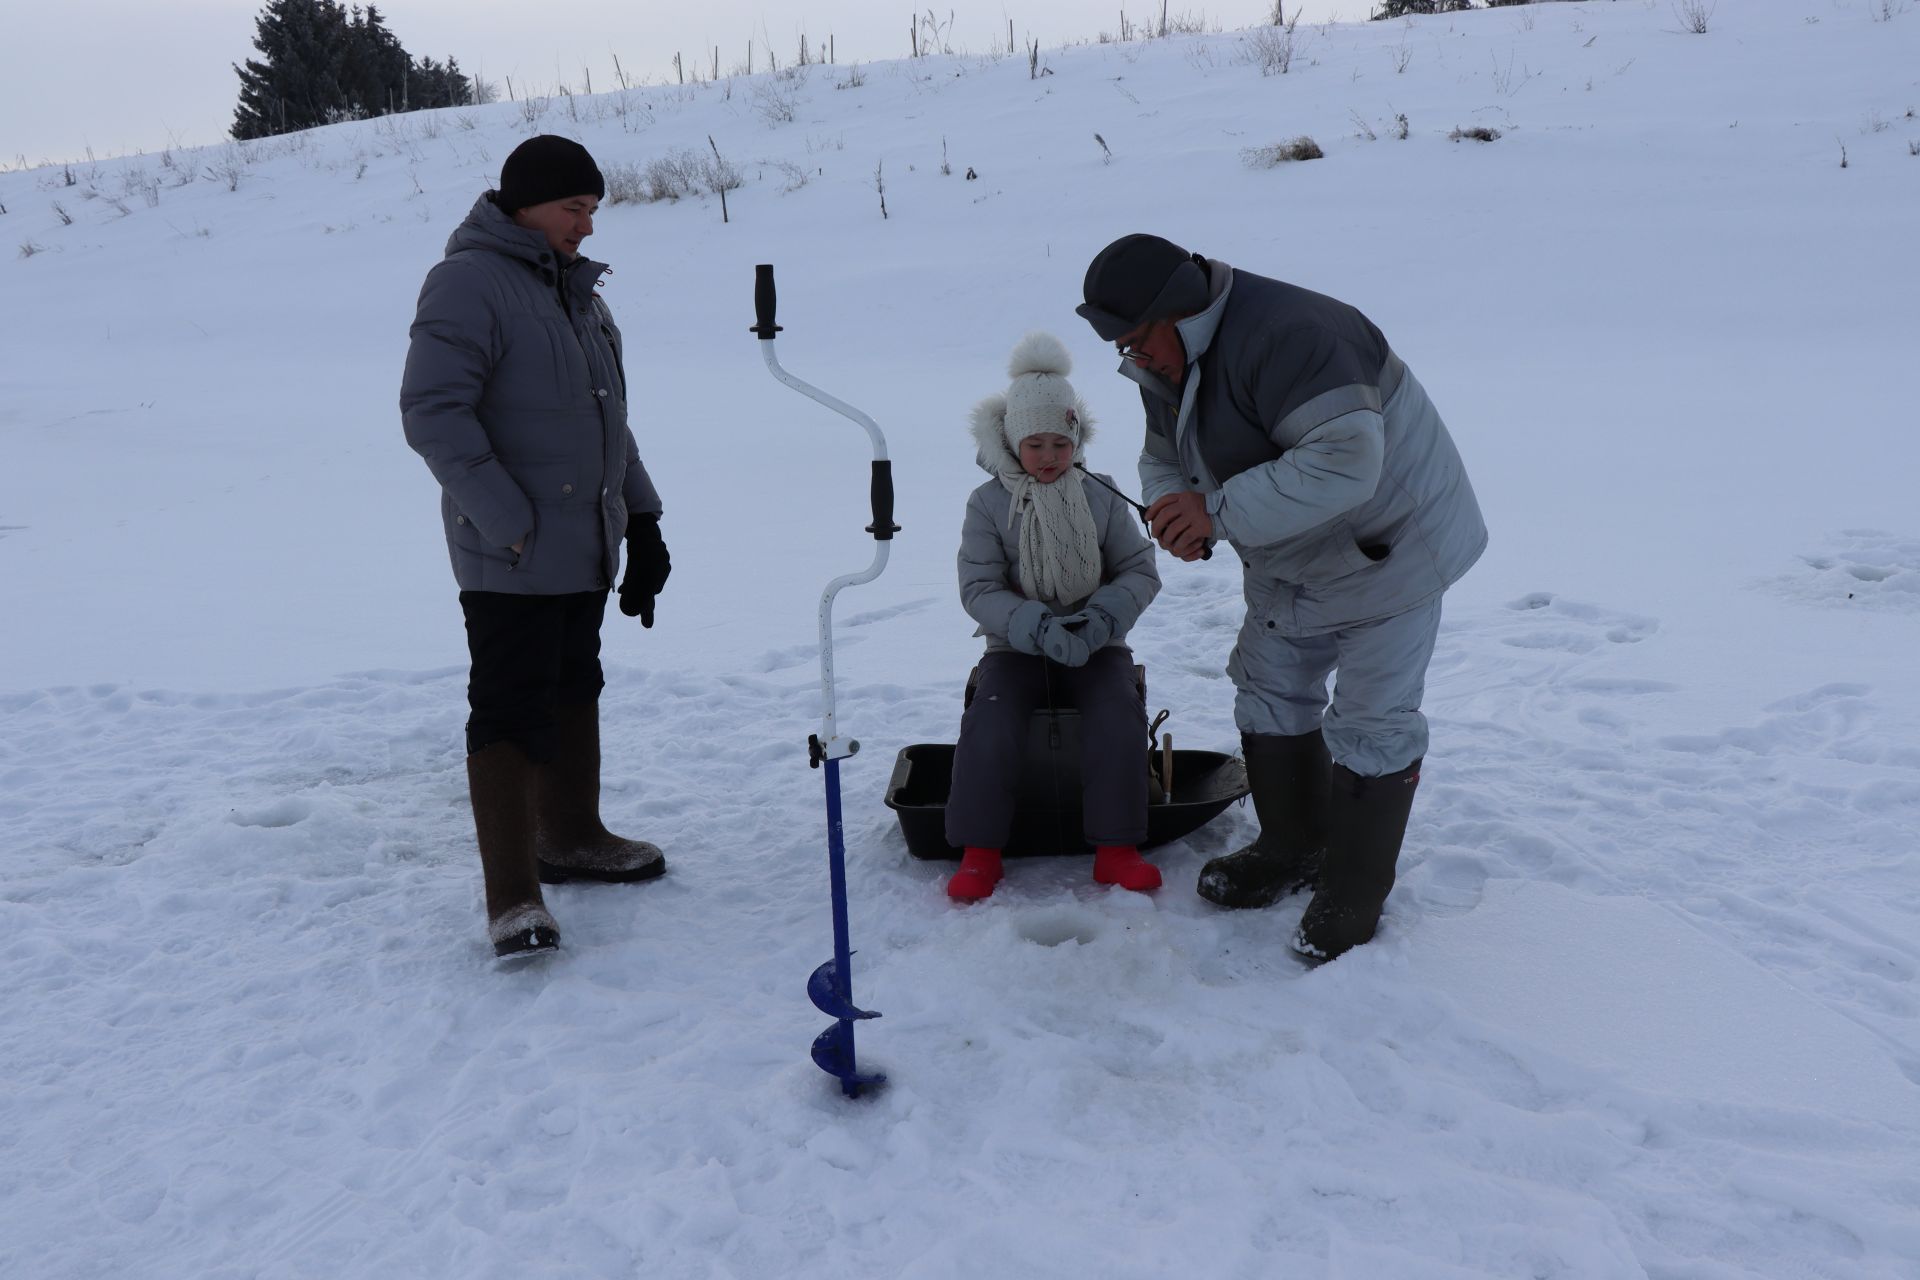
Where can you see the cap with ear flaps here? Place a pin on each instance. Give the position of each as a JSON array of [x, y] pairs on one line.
[[1138, 279]]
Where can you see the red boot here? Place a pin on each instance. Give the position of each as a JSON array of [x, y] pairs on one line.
[[979, 872], [1122, 864]]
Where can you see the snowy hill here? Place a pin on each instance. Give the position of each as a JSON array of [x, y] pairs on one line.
[[1644, 1003]]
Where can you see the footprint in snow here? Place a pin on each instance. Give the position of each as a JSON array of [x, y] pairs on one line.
[[1552, 622], [889, 612], [1860, 569], [282, 813]]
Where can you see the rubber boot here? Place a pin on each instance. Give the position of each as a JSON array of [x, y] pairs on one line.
[[573, 844], [1288, 777], [1122, 864], [1366, 821], [500, 784], [979, 872]]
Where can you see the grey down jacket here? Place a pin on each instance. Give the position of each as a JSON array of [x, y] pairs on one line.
[[515, 395]]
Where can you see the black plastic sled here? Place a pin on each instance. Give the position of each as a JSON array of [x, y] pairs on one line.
[[1047, 816]]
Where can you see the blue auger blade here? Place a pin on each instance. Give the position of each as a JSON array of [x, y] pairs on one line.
[[829, 995], [833, 1054]]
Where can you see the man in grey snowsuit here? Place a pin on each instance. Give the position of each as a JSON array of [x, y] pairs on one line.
[[1280, 422], [516, 396]]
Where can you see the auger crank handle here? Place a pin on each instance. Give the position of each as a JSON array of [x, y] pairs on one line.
[[764, 300], [883, 528]]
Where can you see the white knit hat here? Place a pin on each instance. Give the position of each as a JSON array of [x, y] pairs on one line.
[[1040, 399]]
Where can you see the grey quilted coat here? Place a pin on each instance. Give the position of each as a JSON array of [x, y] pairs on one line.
[[515, 394], [989, 557], [1323, 462]]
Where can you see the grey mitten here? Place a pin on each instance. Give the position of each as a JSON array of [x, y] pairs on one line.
[[1096, 628], [1023, 628], [1061, 643]]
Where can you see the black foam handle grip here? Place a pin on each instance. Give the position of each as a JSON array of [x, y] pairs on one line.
[[764, 300], [883, 528]]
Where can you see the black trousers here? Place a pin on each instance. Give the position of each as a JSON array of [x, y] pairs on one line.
[[993, 733], [531, 655]]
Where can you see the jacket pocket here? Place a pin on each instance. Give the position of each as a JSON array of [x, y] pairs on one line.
[[465, 537], [1321, 556]]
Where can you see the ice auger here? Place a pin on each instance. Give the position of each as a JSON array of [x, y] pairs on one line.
[[831, 986]]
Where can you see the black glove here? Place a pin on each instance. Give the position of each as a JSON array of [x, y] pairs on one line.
[[647, 567]]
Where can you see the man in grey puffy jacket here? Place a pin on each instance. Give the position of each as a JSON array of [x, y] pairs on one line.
[[516, 396], [1279, 421]]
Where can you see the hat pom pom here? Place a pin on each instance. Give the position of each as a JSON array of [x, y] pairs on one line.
[[1040, 353]]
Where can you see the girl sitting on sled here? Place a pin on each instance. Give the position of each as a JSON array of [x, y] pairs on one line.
[[1056, 572]]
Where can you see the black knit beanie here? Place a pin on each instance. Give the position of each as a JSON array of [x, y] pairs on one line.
[[1141, 278], [547, 167]]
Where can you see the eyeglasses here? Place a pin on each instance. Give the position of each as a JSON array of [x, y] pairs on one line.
[[1132, 350]]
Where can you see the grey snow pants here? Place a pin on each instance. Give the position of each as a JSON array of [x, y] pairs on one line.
[[1373, 726], [993, 735]]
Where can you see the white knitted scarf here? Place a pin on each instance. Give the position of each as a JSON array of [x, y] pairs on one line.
[[1059, 543]]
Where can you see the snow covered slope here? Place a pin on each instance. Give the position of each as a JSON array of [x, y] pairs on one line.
[[1645, 1000]]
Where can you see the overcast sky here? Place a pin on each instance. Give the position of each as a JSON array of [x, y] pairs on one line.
[[117, 75]]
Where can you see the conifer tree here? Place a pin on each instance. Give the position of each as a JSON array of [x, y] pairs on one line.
[[297, 84], [322, 62]]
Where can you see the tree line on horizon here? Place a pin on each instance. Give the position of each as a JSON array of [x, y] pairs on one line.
[[322, 62]]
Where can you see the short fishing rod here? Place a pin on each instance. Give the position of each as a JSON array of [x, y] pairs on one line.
[[1206, 553]]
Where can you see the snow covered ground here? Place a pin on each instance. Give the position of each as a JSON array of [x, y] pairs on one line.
[[1645, 1000]]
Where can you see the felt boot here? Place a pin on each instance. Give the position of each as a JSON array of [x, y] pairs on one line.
[[499, 782], [1288, 776], [573, 844], [1366, 822]]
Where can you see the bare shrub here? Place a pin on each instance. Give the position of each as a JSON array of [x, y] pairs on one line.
[[1034, 69], [28, 248], [1272, 49], [1694, 15], [1390, 9], [1300, 148], [1505, 82], [60, 212], [929, 35], [1366, 130], [792, 176], [229, 167], [776, 102], [1402, 56], [1477, 133], [1400, 126], [681, 172], [719, 176], [625, 183], [1186, 24], [672, 176], [856, 78]]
